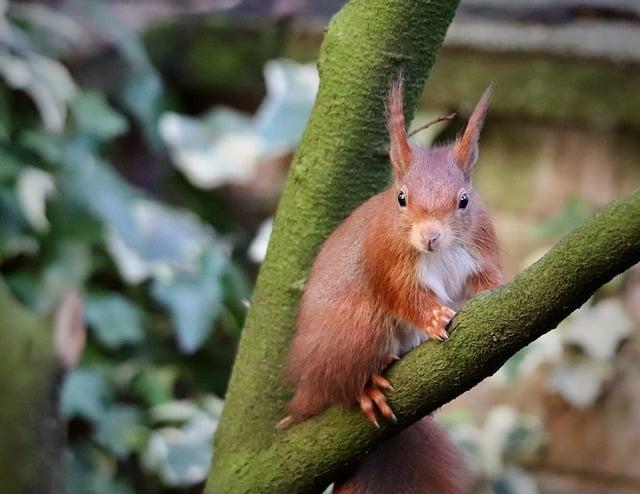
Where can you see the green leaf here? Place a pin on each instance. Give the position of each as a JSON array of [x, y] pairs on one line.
[[94, 116], [46, 81], [115, 320], [194, 301], [85, 393], [176, 411], [580, 380], [181, 456], [48, 148], [165, 240], [155, 384], [584, 329], [90, 471], [219, 148], [120, 430], [291, 93], [69, 268], [95, 186], [14, 239], [142, 95], [10, 164], [226, 146], [33, 187]]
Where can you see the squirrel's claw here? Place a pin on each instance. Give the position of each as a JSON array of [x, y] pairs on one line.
[[381, 402], [372, 398], [381, 382], [285, 423], [366, 404], [440, 318]]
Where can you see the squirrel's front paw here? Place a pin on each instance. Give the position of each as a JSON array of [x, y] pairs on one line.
[[440, 318]]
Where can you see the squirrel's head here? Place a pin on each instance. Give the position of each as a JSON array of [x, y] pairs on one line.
[[432, 189]]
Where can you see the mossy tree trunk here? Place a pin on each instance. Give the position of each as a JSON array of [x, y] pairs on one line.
[[342, 161], [27, 371]]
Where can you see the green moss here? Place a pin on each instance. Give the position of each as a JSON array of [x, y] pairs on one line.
[[25, 374]]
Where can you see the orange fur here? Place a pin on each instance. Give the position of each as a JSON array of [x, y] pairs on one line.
[[399, 146], [367, 286], [466, 147], [419, 460]]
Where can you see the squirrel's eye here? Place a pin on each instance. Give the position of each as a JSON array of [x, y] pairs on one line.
[[463, 201], [402, 198]]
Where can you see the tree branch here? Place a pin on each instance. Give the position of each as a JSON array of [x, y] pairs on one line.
[[341, 162], [26, 370]]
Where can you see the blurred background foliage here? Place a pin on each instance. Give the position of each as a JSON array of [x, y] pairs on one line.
[[143, 147]]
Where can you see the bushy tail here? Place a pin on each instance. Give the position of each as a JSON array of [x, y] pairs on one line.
[[420, 460]]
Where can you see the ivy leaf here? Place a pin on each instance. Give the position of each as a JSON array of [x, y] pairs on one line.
[[120, 430], [89, 470], [84, 393], [181, 455], [221, 147], [580, 380], [13, 227], [142, 95], [598, 329], [226, 146], [34, 187], [69, 267], [155, 384], [95, 117], [175, 411], [115, 320], [258, 248], [46, 81], [194, 301], [291, 93]]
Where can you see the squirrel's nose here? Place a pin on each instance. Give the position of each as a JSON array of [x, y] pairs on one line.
[[431, 238]]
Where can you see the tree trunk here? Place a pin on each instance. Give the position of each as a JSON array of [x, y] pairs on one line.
[[27, 371], [341, 161]]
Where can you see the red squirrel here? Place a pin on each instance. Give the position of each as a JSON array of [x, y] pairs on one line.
[[391, 276]]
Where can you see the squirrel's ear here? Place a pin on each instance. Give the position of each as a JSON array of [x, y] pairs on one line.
[[465, 148], [400, 152]]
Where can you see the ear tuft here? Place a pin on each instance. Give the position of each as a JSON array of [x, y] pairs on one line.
[[400, 152], [466, 147]]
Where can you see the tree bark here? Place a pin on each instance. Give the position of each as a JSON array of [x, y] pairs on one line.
[[27, 370], [341, 161]]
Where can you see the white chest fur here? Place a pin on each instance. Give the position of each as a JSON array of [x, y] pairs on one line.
[[446, 273]]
